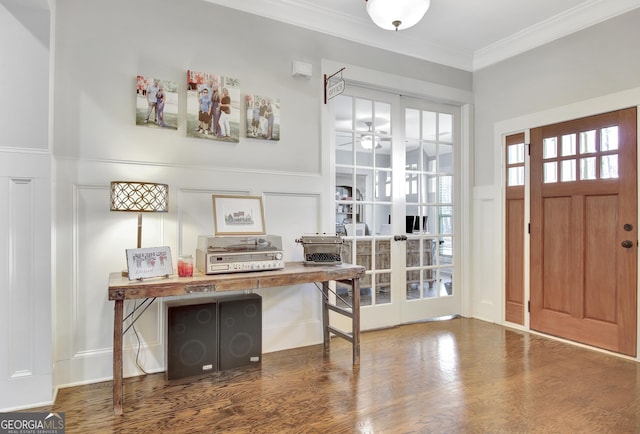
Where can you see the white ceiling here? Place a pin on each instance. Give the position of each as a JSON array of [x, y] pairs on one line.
[[465, 34]]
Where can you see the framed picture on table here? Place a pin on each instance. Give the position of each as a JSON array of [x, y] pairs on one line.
[[238, 215], [149, 262]]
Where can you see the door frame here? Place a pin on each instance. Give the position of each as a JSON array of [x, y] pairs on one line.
[[524, 123], [405, 86]]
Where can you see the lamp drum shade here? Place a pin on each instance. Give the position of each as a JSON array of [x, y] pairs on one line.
[[134, 196]]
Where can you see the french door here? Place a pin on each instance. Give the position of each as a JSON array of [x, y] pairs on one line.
[[429, 194], [395, 197]]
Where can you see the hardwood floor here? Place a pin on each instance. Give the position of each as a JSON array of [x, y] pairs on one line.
[[458, 376]]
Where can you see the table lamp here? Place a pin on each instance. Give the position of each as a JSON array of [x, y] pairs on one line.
[[134, 196]]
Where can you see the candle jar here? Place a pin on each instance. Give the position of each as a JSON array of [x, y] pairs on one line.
[[185, 266]]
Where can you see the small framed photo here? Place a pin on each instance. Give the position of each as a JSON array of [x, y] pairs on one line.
[[149, 262], [238, 215], [156, 103], [213, 106], [263, 117]]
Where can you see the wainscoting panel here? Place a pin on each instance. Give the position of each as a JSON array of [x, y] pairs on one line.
[[21, 290], [487, 253], [25, 281], [291, 315], [97, 241], [94, 227], [91, 242]]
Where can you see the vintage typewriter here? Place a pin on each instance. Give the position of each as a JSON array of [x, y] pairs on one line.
[[321, 249]]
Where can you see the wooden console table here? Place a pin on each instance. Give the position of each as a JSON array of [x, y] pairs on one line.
[[294, 273]]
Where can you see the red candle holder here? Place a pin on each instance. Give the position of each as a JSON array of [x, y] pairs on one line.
[[185, 266]]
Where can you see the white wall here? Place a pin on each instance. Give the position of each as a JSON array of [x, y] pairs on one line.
[[602, 61], [24, 76], [25, 214], [100, 47]]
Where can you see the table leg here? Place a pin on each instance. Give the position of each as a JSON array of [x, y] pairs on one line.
[[118, 392], [355, 331], [325, 316]]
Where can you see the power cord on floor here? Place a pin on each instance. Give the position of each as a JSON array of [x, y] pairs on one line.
[[135, 332]]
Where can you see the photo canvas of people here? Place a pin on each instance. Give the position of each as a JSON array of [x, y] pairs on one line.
[[156, 103], [213, 106], [263, 117]]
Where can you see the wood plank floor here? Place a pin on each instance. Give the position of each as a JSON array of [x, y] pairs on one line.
[[457, 376]]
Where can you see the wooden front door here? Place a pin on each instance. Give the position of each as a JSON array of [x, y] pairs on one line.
[[584, 238]]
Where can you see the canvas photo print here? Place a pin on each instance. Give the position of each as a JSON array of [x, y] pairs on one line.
[[156, 103], [213, 106], [263, 117]]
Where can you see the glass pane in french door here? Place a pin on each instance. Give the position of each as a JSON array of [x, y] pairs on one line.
[[363, 194], [429, 204]]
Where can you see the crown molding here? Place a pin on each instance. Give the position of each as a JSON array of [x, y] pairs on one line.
[[571, 21], [363, 31], [346, 26]]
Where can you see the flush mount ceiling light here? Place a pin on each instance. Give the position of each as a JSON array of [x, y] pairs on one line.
[[397, 14]]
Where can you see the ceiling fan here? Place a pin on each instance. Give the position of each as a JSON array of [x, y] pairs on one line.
[[368, 139]]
